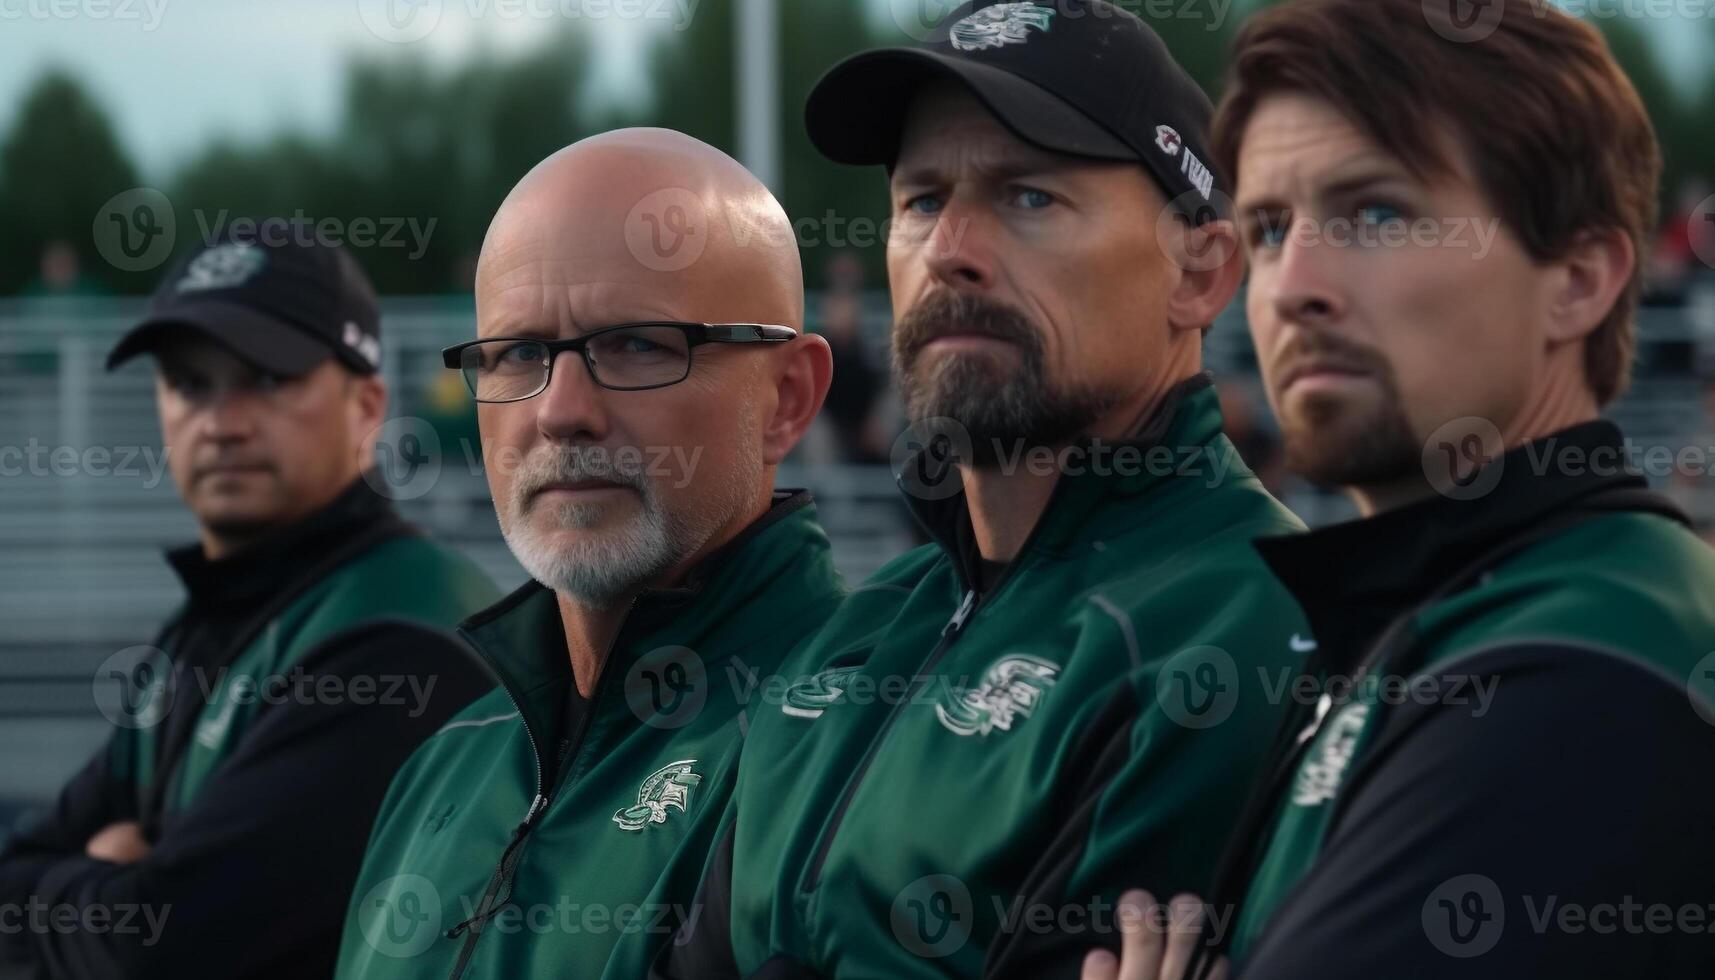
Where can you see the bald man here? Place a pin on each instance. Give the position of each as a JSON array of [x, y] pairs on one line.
[[640, 372]]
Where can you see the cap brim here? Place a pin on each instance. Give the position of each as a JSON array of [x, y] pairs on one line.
[[259, 339], [856, 113]]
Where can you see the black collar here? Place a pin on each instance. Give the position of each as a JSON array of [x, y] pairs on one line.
[[280, 559], [1353, 579]]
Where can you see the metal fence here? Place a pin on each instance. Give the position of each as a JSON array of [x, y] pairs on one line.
[[86, 504]]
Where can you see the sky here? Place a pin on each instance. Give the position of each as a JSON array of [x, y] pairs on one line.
[[174, 74]]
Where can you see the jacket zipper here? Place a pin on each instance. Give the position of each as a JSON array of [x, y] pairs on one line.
[[472, 927], [950, 633]]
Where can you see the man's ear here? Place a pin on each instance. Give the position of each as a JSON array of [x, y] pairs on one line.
[[366, 403], [806, 368], [1591, 277], [1210, 271]]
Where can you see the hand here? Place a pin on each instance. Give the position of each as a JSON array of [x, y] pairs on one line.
[[121, 843], [1142, 954]]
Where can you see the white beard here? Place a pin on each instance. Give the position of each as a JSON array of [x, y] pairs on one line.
[[597, 568]]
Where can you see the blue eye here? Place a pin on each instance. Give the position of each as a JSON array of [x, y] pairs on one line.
[[1376, 214], [522, 354], [641, 345], [1032, 199], [924, 204]]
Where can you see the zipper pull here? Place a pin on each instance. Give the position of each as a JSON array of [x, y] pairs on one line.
[[537, 805], [957, 623]]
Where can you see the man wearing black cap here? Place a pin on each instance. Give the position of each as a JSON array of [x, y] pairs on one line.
[[260, 730], [1069, 681]]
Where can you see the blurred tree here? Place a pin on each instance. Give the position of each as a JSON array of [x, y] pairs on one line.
[[419, 163], [59, 164]]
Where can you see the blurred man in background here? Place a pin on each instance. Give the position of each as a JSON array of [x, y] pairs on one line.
[[311, 655], [640, 374]]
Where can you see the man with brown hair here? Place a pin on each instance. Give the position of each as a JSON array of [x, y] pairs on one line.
[[1492, 780]]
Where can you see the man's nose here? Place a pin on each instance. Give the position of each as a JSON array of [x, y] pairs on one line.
[[573, 408]]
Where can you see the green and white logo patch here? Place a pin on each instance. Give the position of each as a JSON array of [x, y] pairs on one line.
[[667, 788], [1000, 25], [1008, 694], [813, 695]]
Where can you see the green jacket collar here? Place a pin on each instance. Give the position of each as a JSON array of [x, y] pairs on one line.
[[1182, 441], [748, 588]]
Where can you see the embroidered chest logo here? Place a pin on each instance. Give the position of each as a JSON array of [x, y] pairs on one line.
[[667, 788], [813, 695], [1008, 694], [1319, 778], [999, 25]]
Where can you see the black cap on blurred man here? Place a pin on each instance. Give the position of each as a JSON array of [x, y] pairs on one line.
[[313, 654]]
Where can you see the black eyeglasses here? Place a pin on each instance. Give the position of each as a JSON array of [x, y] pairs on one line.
[[626, 357]]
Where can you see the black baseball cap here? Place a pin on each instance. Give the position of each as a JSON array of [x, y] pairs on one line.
[[1079, 77], [283, 304]]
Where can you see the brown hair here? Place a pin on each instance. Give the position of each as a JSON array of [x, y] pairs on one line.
[[1556, 135]]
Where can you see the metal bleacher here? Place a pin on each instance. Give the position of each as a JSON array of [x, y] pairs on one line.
[[81, 576]]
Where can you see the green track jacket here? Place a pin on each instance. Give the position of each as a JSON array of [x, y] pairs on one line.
[[513, 845], [961, 783]]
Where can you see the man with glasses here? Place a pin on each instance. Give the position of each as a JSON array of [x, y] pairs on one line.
[[637, 391], [312, 655]]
